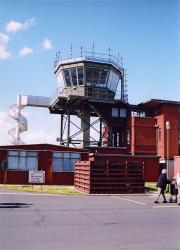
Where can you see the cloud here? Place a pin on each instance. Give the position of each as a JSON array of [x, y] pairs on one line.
[[14, 26], [5, 126], [39, 136], [4, 53], [25, 51], [4, 39], [47, 44]]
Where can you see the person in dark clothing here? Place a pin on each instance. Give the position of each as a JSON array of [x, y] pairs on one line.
[[161, 185], [174, 190]]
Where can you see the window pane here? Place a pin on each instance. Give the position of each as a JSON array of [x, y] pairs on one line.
[[31, 153], [13, 153], [22, 163], [31, 163], [96, 73], [57, 165], [22, 153], [67, 77], [12, 162], [58, 155], [74, 77], [67, 155], [113, 81], [89, 74], [80, 75], [67, 165], [103, 76], [114, 112], [75, 155], [123, 113]]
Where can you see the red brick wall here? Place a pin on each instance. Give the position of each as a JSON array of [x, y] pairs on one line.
[[63, 178], [143, 135], [44, 163], [168, 113], [151, 163]]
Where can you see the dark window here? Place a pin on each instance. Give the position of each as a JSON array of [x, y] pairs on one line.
[[67, 77], [74, 76], [103, 76], [89, 75], [80, 75], [96, 73]]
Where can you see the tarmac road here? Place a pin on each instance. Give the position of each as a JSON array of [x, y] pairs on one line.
[[54, 222]]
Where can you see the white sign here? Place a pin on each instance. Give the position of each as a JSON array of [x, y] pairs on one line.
[[36, 176]]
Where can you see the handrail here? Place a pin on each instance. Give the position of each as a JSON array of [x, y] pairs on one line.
[[86, 55]]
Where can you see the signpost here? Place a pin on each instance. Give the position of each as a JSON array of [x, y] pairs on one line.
[[36, 177]]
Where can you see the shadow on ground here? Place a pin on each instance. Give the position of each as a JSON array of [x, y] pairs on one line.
[[15, 205]]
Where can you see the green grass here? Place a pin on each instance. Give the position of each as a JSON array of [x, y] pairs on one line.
[[150, 187], [47, 189]]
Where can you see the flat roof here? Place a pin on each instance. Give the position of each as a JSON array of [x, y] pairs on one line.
[[156, 102]]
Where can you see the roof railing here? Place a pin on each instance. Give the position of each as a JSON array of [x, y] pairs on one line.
[[89, 56]]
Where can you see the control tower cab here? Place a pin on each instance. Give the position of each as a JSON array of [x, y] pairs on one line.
[[87, 88]]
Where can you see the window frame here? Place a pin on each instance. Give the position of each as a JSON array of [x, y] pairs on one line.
[[64, 160], [22, 157]]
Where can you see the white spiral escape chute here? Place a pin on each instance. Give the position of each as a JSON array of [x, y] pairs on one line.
[[21, 124], [21, 121]]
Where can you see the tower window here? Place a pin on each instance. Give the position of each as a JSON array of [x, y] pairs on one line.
[[67, 77], [114, 112], [80, 75], [74, 76], [123, 112]]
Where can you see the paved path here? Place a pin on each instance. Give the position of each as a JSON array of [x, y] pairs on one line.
[[53, 222]]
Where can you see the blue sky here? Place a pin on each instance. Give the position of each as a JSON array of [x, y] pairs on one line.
[[146, 33]]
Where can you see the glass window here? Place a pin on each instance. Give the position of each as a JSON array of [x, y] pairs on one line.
[[58, 154], [75, 155], [114, 112], [12, 162], [96, 73], [89, 75], [22, 160], [103, 76], [13, 153], [74, 76], [58, 165], [67, 155], [178, 111], [123, 112], [128, 137], [113, 81], [67, 77], [80, 75], [64, 162]]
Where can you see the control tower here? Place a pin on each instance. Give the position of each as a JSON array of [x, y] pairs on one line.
[[88, 86]]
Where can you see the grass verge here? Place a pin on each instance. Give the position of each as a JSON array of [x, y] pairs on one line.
[[54, 189], [150, 187]]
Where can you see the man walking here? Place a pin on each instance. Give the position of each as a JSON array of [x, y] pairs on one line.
[[161, 185]]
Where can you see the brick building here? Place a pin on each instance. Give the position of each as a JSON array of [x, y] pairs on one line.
[[148, 140], [57, 162]]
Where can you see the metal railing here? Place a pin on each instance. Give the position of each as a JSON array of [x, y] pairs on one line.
[[88, 56]]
